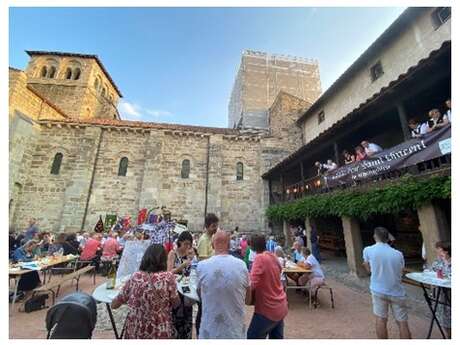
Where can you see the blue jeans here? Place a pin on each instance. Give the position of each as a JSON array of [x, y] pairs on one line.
[[260, 327]]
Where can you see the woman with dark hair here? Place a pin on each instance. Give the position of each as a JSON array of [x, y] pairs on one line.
[[72, 240], [151, 294], [179, 261], [348, 158], [444, 265], [30, 280]]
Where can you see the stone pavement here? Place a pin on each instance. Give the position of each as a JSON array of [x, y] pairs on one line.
[[351, 318]]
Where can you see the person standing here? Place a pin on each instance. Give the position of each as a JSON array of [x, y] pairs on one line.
[[205, 250], [211, 223], [386, 264], [314, 240], [223, 286], [32, 230], [271, 244], [270, 307], [151, 294]]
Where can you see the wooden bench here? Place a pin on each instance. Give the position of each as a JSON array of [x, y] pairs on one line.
[[56, 283]]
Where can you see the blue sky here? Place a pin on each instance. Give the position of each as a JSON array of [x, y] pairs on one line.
[[178, 64]]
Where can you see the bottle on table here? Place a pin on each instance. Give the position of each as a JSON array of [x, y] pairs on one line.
[[112, 275]]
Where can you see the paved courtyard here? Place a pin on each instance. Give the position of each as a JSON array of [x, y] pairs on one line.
[[351, 318]]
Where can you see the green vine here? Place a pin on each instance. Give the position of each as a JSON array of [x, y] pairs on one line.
[[407, 193]]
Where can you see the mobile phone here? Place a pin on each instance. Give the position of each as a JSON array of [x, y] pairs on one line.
[[185, 289]]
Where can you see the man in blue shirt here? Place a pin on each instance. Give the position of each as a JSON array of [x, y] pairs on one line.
[[32, 230], [386, 265], [271, 244]]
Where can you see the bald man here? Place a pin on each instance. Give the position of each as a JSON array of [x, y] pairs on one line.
[[223, 285]]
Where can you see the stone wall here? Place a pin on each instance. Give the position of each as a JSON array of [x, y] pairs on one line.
[[153, 178], [27, 101]]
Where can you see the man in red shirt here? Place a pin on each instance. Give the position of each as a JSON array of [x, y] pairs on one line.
[[270, 299], [91, 248], [111, 248]]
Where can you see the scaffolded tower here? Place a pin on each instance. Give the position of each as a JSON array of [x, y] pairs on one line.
[[261, 77]]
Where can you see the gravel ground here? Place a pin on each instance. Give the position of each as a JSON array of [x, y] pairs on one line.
[[352, 317]]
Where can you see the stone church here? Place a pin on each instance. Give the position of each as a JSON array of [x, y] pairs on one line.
[[73, 159]]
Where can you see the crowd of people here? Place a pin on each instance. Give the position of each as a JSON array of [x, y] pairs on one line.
[[367, 149], [232, 270]]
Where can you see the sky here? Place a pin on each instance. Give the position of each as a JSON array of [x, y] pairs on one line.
[[178, 65]]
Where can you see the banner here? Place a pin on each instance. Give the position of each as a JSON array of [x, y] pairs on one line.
[[431, 145]]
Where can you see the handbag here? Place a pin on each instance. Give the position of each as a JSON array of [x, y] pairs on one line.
[[35, 303]]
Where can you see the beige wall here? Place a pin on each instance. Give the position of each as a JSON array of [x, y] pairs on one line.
[[409, 47]]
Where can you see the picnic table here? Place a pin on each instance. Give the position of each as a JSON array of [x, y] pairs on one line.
[[441, 286], [16, 271], [104, 295]]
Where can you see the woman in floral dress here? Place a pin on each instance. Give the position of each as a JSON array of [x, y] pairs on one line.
[[151, 294]]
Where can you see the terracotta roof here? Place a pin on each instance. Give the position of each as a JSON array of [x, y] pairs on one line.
[[43, 98], [85, 56], [400, 24], [145, 125], [351, 115]]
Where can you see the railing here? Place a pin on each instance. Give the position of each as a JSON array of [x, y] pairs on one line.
[[316, 185]]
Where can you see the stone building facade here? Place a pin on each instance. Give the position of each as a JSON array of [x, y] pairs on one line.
[[260, 77], [75, 119]]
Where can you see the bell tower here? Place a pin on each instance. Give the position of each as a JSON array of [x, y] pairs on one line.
[[78, 84]]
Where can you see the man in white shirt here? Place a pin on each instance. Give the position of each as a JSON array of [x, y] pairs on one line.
[[386, 265], [448, 113], [330, 165], [223, 286], [417, 129], [316, 277], [371, 148]]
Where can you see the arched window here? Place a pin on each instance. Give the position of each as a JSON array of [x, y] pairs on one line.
[[123, 167], [239, 171], [56, 167], [52, 72], [103, 92], [43, 72], [96, 84], [68, 73], [185, 171], [76, 73]]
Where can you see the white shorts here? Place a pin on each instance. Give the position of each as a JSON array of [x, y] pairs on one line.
[[381, 302]]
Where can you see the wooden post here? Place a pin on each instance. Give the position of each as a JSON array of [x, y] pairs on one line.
[[336, 153], [403, 120], [283, 188]]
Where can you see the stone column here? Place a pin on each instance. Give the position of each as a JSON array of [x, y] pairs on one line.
[[308, 233], [287, 235], [353, 245], [433, 226]]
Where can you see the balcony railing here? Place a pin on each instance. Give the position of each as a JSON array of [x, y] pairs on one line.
[[316, 185]]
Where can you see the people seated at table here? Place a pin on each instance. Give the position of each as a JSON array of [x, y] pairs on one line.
[[92, 250], [57, 246], [44, 242], [111, 248], [360, 153], [26, 253], [74, 243], [444, 265], [270, 306], [385, 265], [417, 129], [223, 286], [316, 277], [348, 157], [83, 239], [151, 294], [179, 262], [297, 255], [370, 148], [436, 120]]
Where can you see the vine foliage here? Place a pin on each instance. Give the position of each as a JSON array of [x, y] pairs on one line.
[[407, 193]]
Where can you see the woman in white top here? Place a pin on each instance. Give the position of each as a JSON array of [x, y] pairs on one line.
[[316, 277], [282, 260]]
